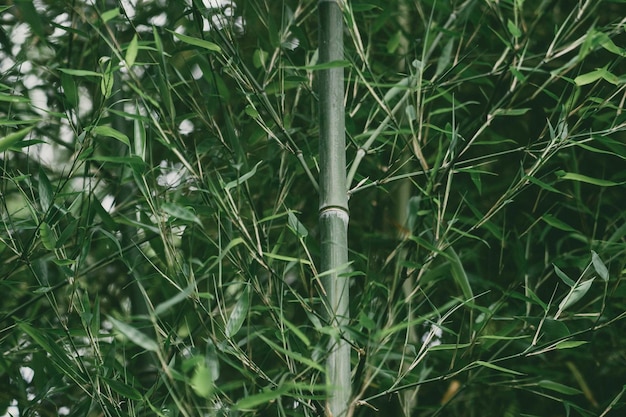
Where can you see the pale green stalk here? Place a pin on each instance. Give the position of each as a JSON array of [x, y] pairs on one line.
[[333, 215]]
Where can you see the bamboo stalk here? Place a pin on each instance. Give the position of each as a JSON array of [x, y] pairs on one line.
[[333, 215]]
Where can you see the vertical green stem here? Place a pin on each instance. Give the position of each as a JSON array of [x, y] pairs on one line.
[[333, 216]]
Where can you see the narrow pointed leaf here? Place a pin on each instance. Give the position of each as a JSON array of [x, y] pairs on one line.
[[576, 294], [45, 191], [111, 133], [123, 389], [560, 388], [180, 212], [251, 401], [497, 368], [239, 313], [599, 266], [131, 52], [243, 178], [202, 381], [12, 139], [135, 336], [589, 180], [567, 280], [210, 46]]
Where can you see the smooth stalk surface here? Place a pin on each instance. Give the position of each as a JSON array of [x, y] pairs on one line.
[[333, 216]]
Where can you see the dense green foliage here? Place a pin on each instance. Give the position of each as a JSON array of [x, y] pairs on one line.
[[159, 237]]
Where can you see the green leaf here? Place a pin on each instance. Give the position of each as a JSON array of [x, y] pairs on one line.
[[458, 273], [47, 236], [202, 381], [123, 389], [111, 133], [182, 213], [110, 14], [28, 12], [296, 331], [58, 356], [511, 112], [251, 111], [181, 296], [293, 355], [394, 42], [243, 178], [210, 46], [554, 222], [575, 294], [10, 98], [134, 335], [497, 368], [80, 73], [134, 162], [10, 140], [570, 344], [567, 280], [589, 180], [560, 388], [445, 57], [593, 76], [239, 313], [295, 226], [103, 214], [513, 29], [543, 185], [46, 195], [599, 266], [251, 401], [107, 81], [131, 52], [69, 90]]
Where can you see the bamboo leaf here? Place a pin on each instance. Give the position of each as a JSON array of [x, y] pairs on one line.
[[110, 14], [178, 298], [575, 294], [46, 195], [497, 368], [80, 73], [295, 226], [296, 331], [543, 185], [599, 266], [243, 178], [134, 335], [12, 98], [123, 389], [554, 222], [59, 357], [210, 46], [69, 90], [560, 388], [239, 313], [202, 381], [589, 180], [131, 52], [179, 212], [251, 401], [570, 344], [458, 273], [567, 280], [12, 139], [111, 133], [513, 29], [47, 236], [293, 355]]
